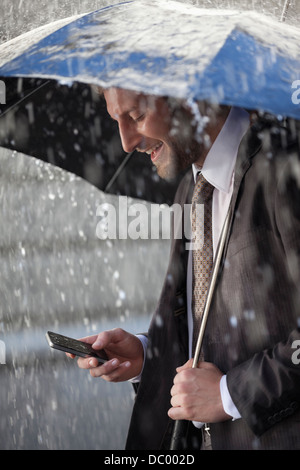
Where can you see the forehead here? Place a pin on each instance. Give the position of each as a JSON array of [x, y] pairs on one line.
[[121, 102]]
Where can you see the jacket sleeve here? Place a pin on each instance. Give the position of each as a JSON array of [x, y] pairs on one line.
[[266, 388]]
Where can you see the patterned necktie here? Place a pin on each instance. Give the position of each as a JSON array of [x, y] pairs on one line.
[[202, 250]]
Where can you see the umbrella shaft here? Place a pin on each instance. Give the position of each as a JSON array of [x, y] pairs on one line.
[[119, 170], [212, 286], [180, 429], [285, 10]]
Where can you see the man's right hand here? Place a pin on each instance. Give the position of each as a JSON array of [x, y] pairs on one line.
[[124, 350]]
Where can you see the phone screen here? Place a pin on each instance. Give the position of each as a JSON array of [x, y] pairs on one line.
[[74, 346]]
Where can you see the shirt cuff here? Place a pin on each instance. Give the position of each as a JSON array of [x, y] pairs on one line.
[[228, 405], [144, 340]]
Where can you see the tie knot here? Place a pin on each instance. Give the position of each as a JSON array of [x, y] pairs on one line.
[[203, 189]]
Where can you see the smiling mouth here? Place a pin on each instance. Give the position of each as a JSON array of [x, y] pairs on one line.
[[154, 151]]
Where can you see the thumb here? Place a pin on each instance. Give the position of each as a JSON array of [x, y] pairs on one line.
[[187, 365]]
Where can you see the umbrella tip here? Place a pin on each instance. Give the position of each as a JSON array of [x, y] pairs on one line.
[[285, 10]]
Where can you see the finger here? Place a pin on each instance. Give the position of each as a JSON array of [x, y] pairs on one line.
[[176, 413], [88, 362], [89, 339], [118, 374], [176, 400], [187, 365], [180, 388], [103, 339], [103, 370], [185, 375], [72, 356]]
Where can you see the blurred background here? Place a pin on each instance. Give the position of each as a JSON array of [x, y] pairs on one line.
[[56, 274], [18, 16]]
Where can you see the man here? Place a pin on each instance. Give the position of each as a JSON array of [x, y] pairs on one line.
[[247, 387]]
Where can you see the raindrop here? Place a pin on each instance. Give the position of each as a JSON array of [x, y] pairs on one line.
[[30, 411], [122, 295], [54, 405], [249, 314]]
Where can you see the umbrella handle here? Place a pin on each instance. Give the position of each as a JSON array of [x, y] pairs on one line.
[[178, 439], [180, 427]]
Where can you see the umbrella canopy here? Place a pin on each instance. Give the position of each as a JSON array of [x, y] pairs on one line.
[[69, 127], [225, 56]]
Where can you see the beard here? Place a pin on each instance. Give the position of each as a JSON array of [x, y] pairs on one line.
[[183, 147], [192, 130], [179, 159]]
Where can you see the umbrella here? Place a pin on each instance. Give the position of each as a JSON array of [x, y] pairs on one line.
[[96, 49], [69, 127], [249, 60], [236, 65], [19, 17]]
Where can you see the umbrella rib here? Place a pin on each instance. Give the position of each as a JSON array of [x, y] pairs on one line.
[[119, 170], [10, 108]]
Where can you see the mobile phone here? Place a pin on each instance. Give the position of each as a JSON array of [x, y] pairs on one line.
[[73, 346]]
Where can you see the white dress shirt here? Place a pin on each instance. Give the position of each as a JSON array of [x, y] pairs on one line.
[[218, 170]]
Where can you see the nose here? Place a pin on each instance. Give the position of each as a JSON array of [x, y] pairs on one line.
[[130, 138]]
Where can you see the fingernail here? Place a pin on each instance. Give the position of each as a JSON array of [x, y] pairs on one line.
[[114, 362]]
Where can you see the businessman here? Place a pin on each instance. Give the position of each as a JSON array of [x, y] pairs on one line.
[[246, 386]]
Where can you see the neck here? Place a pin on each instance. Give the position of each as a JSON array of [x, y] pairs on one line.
[[212, 130]]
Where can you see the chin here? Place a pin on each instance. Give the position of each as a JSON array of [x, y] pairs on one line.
[[167, 172], [172, 165]]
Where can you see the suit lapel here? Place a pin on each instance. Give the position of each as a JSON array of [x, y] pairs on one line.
[[249, 147]]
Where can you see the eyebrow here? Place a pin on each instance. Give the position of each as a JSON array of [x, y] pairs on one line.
[[134, 108]]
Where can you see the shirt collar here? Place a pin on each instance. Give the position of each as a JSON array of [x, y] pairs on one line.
[[220, 161]]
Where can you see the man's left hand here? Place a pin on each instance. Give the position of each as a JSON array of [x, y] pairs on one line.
[[196, 394]]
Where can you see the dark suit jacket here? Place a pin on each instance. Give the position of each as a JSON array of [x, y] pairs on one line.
[[255, 314]]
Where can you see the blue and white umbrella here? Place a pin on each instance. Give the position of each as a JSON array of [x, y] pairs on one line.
[[168, 48]]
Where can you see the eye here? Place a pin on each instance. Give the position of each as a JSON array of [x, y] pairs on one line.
[[138, 118]]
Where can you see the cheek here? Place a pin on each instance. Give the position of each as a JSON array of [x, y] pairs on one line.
[[158, 122], [155, 128]]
